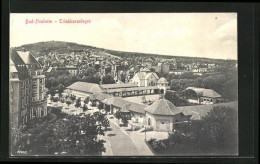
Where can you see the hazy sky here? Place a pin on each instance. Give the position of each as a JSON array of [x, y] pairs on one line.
[[212, 35]]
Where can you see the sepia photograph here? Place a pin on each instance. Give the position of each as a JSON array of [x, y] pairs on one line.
[[123, 84]]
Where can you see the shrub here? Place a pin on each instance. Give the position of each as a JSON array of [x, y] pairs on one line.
[[157, 145]]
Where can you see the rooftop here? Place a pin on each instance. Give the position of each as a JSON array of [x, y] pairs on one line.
[[134, 107], [122, 85], [27, 57], [199, 111], [202, 92], [85, 87], [131, 89], [163, 107], [116, 101], [162, 80]]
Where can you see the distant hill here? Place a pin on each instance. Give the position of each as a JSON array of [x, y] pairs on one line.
[[44, 48]]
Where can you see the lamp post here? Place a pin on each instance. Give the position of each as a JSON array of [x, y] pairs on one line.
[[145, 133], [145, 126]]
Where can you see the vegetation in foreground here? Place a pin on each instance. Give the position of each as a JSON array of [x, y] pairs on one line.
[[68, 135], [215, 134]]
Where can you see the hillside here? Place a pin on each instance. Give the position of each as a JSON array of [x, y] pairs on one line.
[[44, 48]]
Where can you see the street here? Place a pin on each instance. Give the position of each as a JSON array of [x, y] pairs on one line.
[[121, 144]]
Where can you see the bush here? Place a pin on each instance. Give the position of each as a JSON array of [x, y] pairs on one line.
[[157, 145]]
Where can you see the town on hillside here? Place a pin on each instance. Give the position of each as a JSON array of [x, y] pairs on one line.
[[96, 102]]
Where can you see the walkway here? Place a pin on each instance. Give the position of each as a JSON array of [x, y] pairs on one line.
[[121, 143], [137, 138]]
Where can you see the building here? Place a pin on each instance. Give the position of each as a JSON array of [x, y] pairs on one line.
[[145, 78], [27, 86], [163, 85], [137, 112], [162, 115], [64, 70], [162, 68], [115, 104], [177, 72], [202, 96], [82, 89]]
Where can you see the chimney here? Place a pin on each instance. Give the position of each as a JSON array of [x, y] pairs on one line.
[[23, 49]]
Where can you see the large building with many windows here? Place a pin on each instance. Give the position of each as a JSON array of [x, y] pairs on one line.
[[27, 83]]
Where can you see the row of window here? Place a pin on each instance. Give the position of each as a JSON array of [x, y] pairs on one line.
[[36, 73]]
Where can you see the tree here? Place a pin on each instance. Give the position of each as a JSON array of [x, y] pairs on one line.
[[176, 100], [107, 108], [108, 79], [52, 91], [68, 102], [78, 103], [73, 97], [118, 115], [85, 107], [60, 88], [86, 100], [216, 132], [105, 123], [60, 95], [100, 106], [75, 135], [124, 118], [90, 71], [221, 128]]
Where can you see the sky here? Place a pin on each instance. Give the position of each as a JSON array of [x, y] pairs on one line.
[[210, 35]]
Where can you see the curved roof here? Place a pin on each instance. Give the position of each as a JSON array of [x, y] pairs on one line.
[[162, 80], [162, 107], [202, 92]]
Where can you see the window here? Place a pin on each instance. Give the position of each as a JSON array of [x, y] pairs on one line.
[[149, 121], [162, 122], [33, 73], [22, 84]]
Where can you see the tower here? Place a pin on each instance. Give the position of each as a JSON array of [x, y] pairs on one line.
[[162, 84]]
